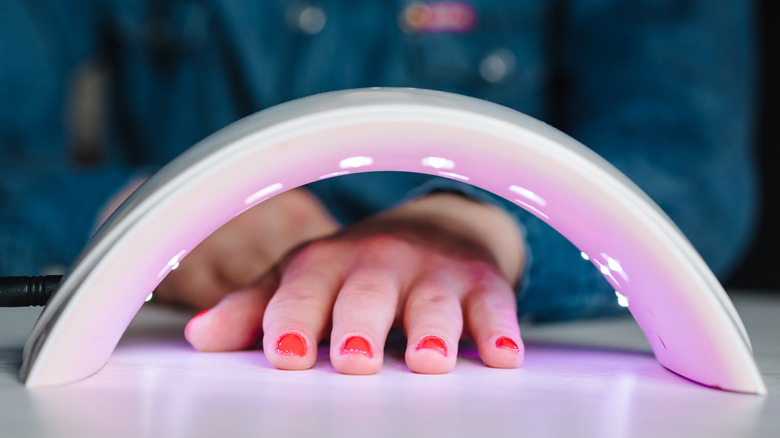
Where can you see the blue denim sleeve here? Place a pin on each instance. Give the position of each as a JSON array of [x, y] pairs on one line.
[[47, 205]]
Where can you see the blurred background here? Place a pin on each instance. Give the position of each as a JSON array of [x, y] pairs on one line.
[[761, 268]]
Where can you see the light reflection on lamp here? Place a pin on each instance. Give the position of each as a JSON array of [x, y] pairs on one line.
[[614, 265], [172, 264], [532, 209], [263, 193], [353, 162], [622, 299], [614, 268], [332, 174], [438, 163], [527, 194], [609, 273], [454, 175], [584, 256]]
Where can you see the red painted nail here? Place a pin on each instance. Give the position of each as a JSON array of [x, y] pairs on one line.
[[356, 344], [433, 343], [292, 344], [188, 327], [199, 314], [506, 343]]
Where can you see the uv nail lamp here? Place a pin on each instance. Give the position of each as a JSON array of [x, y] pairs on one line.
[[687, 317]]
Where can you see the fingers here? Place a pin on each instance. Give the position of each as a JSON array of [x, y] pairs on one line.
[[367, 303], [299, 312], [491, 320], [358, 285], [234, 323], [366, 277], [433, 323], [434, 311], [362, 317]]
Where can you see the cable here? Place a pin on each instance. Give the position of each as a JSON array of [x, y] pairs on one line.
[[27, 291]]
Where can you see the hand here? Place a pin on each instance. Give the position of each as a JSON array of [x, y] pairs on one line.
[[439, 267], [241, 251]]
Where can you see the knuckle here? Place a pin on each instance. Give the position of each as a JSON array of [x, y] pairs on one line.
[[481, 273], [297, 299], [309, 252], [435, 298], [382, 243]]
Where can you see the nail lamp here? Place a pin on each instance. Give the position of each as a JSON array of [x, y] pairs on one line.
[[683, 311]]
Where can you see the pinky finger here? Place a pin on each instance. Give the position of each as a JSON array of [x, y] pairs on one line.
[[491, 321], [236, 322]]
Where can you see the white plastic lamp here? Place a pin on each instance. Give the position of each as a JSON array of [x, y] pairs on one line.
[[683, 311]]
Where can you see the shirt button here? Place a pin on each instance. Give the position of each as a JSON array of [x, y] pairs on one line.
[[414, 17], [306, 18], [497, 65]]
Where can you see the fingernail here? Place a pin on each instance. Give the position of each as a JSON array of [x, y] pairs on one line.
[[506, 343], [199, 314], [433, 343], [188, 327], [292, 344], [356, 344]]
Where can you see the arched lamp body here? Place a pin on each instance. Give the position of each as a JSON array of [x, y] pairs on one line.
[[687, 317]]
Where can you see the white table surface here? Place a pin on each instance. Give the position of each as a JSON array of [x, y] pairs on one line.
[[592, 378]]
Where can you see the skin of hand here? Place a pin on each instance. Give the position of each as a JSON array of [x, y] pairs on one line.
[[241, 251], [440, 267]]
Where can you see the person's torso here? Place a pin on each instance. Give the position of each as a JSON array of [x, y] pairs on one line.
[[183, 69]]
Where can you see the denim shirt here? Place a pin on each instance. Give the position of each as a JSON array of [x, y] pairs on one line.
[[663, 89]]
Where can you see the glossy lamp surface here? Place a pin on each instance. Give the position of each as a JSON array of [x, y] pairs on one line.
[[683, 311]]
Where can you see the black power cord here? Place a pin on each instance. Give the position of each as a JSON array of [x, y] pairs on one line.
[[27, 291]]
